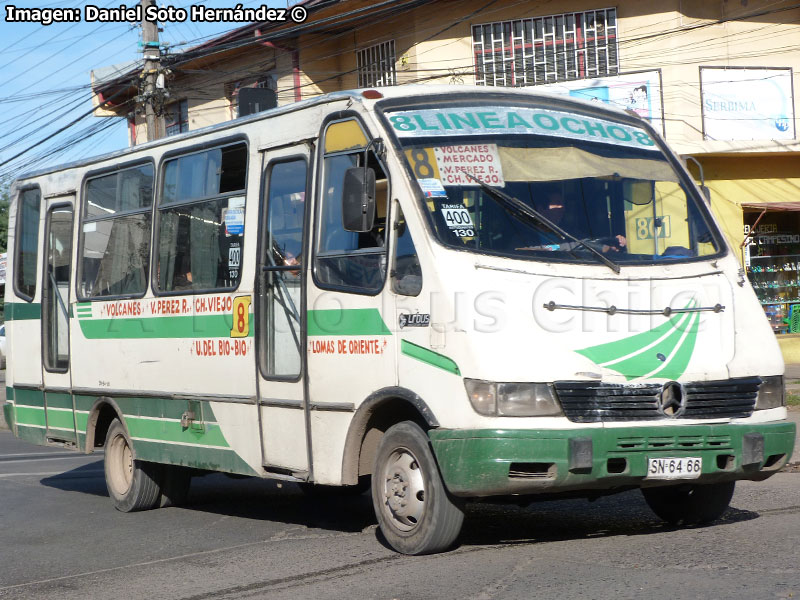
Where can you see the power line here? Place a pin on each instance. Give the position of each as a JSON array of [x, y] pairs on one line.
[[50, 74], [60, 130]]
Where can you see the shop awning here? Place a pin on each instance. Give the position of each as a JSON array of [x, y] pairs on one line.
[[772, 206]]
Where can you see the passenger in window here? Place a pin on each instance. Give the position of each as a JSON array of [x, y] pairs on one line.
[[183, 278]]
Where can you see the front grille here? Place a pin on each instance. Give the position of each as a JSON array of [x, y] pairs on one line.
[[678, 442], [592, 402]]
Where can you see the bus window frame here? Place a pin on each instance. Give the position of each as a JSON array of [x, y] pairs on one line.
[[382, 107], [263, 215], [393, 270], [17, 228], [331, 119], [157, 198], [45, 332], [81, 221]]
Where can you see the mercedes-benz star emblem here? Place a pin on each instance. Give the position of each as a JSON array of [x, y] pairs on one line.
[[672, 400]]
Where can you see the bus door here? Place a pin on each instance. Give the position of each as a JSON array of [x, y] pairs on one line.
[[351, 324], [56, 309], [280, 312]]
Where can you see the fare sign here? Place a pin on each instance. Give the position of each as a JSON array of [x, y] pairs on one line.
[[479, 160]]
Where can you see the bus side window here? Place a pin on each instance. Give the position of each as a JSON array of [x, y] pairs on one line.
[[407, 273], [115, 233], [201, 220], [347, 259], [27, 243]]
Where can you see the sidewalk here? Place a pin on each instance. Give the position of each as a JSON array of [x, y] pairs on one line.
[[791, 375]]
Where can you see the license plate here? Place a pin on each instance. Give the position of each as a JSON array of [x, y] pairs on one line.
[[674, 468]]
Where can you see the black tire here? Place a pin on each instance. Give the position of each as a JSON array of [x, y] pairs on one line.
[[132, 484], [415, 512], [690, 504], [333, 491], [175, 484]]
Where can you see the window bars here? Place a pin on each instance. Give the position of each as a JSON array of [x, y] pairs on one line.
[[546, 49], [376, 65]]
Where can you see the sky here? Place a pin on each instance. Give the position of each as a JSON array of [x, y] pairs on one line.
[[45, 79]]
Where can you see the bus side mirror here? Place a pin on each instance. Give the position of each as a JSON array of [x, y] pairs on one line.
[[358, 199]]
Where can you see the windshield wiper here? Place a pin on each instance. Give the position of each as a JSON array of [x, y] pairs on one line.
[[523, 212]]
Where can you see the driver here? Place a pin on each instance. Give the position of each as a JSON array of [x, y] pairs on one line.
[[554, 211]]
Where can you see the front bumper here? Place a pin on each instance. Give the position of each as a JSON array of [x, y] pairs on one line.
[[490, 462]]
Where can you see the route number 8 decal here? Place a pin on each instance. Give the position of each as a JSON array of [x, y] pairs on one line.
[[241, 317]]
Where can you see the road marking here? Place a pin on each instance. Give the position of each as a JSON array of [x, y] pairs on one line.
[[45, 458], [173, 559], [50, 474]]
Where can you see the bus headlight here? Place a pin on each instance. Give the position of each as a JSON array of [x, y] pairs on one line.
[[770, 393], [512, 399]]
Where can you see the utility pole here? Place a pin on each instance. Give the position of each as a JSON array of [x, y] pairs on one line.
[[152, 61]]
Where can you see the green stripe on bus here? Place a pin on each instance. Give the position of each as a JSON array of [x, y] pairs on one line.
[[84, 402], [29, 397], [163, 408], [59, 400], [60, 419], [9, 393], [81, 421], [23, 311], [172, 431], [429, 357], [212, 459], [28, 415], [354, 321], [160, 327]]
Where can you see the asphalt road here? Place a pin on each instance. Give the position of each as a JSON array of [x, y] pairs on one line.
[[60, 537]]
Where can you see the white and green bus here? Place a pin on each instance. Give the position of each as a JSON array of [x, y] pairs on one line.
[[451, 292]]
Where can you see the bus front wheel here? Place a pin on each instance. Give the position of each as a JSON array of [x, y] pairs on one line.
[[690, 504], [415, 512], [132, 484]]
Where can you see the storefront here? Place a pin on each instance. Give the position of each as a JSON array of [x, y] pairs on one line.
[[757, 197], [771, 257]]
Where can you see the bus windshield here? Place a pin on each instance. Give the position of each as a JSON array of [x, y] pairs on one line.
[[605, 185]]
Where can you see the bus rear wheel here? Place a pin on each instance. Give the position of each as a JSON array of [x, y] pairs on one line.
[[132, 484], [415, 512], [690, 504]]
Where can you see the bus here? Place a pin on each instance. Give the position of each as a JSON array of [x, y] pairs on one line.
[[442, 293]]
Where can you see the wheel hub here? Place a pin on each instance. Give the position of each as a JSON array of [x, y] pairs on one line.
[[404, 490], [120, 459]]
